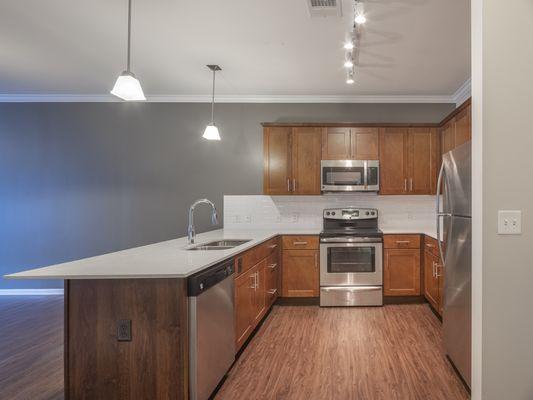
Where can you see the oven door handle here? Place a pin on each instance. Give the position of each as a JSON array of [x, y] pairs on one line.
[[351, 240]]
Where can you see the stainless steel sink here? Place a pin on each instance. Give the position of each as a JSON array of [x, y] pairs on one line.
[[220, 244]]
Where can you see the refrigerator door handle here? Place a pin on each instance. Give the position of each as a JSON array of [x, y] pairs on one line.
[[440, 214]]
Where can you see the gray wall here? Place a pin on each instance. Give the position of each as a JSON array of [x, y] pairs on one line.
[[81, 179], [507, 104]]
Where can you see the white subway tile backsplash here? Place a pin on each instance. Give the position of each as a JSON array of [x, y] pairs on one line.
[[305, 212]]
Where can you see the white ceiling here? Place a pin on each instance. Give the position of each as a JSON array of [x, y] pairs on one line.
[[265, 47]]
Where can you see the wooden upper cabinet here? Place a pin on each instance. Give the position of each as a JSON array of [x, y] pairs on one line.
[[350, 144], [448, 136], [364, 143], [463, 127], [336, 144], [306, 153], [423, 160], [277, 160], [393, 160]]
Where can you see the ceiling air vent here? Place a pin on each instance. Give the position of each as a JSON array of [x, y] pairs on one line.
[[324, 8]]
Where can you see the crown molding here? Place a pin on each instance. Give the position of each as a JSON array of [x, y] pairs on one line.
[[463, 93], [97, 98]]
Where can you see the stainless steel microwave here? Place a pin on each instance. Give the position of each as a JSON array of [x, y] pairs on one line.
[[349, 176]]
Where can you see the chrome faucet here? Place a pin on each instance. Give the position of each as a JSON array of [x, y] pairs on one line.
[[214, 218]]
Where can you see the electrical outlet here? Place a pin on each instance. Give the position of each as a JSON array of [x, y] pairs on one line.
[[124, 330], [248, 219], [509, 222], [294, 217]]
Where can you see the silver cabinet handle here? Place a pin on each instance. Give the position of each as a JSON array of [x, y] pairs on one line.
[[299, 243], [272, 246], [430, 245], [253, 282], [411, 184], [294, 185], [403, 241], [272, 266], [434, 270], [272, 291], [437, 275], [288, 185], [405, 185], [257, 280]]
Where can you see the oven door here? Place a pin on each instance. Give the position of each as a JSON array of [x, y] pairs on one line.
[[351, 264]]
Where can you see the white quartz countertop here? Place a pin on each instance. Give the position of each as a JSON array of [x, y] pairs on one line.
[[169, 259], [429, 231]]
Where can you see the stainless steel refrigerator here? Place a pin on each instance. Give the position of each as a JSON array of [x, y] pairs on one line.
[[454, 226]]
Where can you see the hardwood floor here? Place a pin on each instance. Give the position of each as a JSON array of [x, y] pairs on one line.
[[31, 347], [305, 352], [308, 353]]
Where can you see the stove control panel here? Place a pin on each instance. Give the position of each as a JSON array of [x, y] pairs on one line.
[[350, 213]]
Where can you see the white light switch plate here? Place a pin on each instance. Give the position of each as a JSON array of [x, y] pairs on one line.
[[509, 222]]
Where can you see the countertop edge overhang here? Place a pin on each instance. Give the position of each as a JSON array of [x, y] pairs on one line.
[[170, 259]]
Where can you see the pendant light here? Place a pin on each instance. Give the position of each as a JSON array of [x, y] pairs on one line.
[[127, 87], [211, 130]]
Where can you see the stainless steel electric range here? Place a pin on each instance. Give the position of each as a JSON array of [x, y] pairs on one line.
[[351, 258]]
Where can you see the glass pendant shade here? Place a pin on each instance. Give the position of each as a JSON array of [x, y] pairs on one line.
[[127, 87], [211, 132]]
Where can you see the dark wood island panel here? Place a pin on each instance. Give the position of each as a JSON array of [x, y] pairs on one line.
[[153, 365]]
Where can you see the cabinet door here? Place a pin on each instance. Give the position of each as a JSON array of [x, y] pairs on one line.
[[306, 152], [401, 272], [276, 160], [431, 283], [463, 127], [423, 160], [259, 297], [364, 143], [448, 136], [393, 160], [272, 278], [300, 273], [244, 306], [336, 144], [440, 276]]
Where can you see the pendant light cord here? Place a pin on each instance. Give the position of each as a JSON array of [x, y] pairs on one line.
[[129, 36], [212, 99]]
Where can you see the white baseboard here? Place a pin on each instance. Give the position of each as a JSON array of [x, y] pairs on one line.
[[31, 292]]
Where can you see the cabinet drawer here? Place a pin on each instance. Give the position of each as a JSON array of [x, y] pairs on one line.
[[401, 241], [246, 260], [300, 242], [431, 245]]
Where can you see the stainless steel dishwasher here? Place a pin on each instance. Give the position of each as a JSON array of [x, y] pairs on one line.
[[211, 328]]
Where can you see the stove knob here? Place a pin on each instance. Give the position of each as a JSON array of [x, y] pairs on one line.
[[333, 213], [327, 212], [367, 213], [373, 213]]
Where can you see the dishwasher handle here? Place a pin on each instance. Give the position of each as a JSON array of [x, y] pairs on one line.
[[203, 280]]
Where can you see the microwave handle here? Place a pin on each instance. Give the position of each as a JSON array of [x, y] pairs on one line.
[[365, 177]]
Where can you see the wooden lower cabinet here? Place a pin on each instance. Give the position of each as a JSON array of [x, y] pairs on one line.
[[431, 282], [300, 273], [259, 293], [433, 275], [244, 306], [272, 279], [401, 272], [256, 287]]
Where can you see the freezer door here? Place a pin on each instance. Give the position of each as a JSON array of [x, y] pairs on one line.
[[457, 294], [457, 197]]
